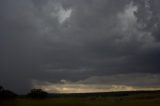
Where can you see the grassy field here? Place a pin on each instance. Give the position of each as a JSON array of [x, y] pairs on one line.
[[131, 100]]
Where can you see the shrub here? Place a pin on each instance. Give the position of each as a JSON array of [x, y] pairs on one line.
[[37, 93], [6, 94]]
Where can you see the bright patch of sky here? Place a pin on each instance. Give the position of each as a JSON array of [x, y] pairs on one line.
[[64, 14]]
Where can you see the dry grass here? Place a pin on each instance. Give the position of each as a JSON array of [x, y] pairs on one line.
[[88, 101]]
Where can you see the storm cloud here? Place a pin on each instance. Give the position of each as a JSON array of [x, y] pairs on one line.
[[75, 40]]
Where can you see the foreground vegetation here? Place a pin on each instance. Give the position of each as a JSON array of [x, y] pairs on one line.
[[96, 99], [82, 102]]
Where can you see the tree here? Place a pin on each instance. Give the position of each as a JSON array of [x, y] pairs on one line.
[[37, 93], [1, 88], [6, 94]]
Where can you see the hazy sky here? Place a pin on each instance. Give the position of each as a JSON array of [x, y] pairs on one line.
[[79, 45]]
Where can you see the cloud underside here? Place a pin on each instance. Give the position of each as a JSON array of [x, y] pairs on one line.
[[122, 82]]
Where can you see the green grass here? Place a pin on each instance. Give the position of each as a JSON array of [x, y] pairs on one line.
[[138, 100]]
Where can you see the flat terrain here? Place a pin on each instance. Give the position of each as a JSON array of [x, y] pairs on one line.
[[98, 99]]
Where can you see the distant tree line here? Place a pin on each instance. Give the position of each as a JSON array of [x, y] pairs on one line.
[[40, 94], [34, 93]]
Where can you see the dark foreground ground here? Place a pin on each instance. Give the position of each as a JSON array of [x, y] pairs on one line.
[[91, 99]]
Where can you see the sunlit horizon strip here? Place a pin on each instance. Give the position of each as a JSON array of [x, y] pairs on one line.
[[87, 88]]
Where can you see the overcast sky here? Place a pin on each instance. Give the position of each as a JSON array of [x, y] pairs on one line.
[[79, 45]]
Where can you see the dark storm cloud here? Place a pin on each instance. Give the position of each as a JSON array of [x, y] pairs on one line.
[[20, 50], [50, 40]]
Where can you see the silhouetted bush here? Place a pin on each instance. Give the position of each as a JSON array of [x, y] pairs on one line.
[[1, 88], [6, 94], [37, 93]]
